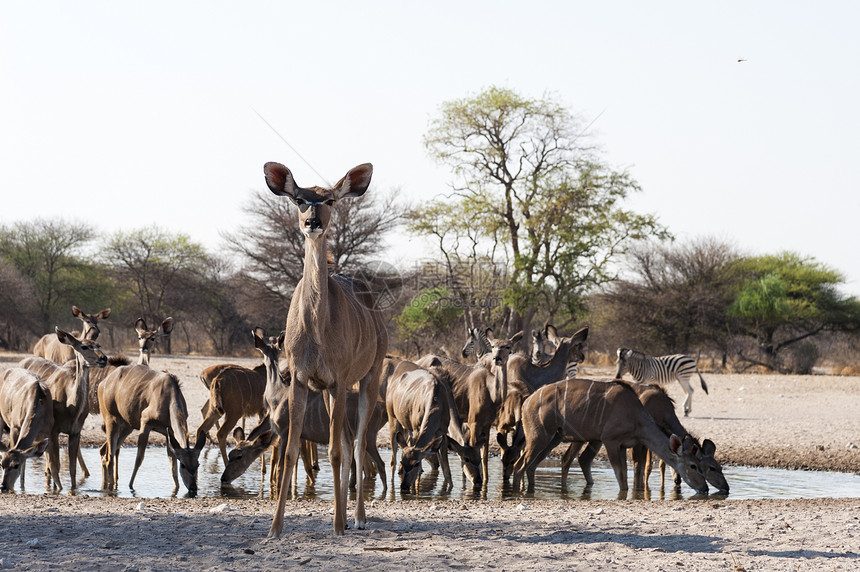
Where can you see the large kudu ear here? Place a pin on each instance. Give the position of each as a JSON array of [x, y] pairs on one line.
[[489, 333], [166, 326], [281, 338], [454, 445], [140, 325], [172, 443], [552, 334], [580, 336], [103, 315], [280, 180], [259, 335], [516, 338], [354, 183], [65, 337], [238, 434], [76, 312], [201, 441], [708, 448]]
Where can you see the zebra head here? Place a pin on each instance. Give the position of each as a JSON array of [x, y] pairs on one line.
[[623, 355], [478, 343]]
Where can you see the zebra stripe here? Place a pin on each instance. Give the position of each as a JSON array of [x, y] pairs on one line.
[[662, 369], [478, 343]]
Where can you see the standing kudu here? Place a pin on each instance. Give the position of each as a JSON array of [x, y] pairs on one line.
[[147, 338], [335, 337], [585, 411], [69, 387], [27, 411], [50, 348], [138, 397]]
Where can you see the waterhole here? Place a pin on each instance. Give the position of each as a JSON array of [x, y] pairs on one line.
[[154, 480]]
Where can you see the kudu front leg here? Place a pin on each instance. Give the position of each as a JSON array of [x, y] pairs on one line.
[[297, 403]]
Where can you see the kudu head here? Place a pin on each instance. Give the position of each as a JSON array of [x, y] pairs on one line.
[[188, 458], [90, 329], [471, 460], [410, 461], [147, 338], [510, 453], [12, 460], [244, 453], [713, 470], [271, 348], [89, 353], [684, 459], [316, 203], [500, 351]]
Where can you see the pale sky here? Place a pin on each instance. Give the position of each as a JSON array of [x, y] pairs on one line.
[[128, 114]]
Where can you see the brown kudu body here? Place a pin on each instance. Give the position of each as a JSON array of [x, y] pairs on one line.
[[534, 376], [479, 391], [457, 434], [235, 392], [69, 387], [50, 348], [28, 412], [335, 337], [418, 417], [136, 397], [585, 411]]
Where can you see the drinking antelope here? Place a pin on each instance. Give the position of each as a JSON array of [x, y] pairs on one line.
[[137, 397]]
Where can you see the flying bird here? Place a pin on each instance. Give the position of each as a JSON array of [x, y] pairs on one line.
[[741, 60]]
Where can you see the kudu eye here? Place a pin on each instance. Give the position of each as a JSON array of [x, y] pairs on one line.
[[329, 202]]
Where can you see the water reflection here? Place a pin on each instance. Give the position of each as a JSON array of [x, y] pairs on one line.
[[154, 480]]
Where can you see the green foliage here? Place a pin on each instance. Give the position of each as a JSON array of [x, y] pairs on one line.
[[785, 298], [49, 254], [530, 193], [431, 311]]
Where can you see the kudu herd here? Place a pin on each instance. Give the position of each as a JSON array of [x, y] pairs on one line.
[[327, 379]]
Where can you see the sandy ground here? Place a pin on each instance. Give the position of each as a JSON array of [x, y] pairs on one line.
[[779, 421]]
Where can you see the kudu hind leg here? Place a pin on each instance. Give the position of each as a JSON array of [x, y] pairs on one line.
[[368, 393]]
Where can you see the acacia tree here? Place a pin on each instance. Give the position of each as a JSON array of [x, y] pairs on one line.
[[673, 298], [785, 299], [49, 255], [524, 174], [154, 265]]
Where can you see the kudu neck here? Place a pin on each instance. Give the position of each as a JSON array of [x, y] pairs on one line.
[[314, 300]]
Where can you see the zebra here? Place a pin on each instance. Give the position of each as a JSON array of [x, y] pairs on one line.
[[544, 344], [661, 370], [477, 344]]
